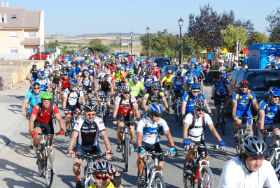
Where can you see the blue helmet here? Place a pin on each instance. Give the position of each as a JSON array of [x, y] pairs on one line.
[[178, 72], [42, 73], [195, 86], [74, 82], [155, 109], [274, 91]]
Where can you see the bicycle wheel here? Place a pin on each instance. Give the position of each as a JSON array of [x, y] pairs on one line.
[[206, 179], [40, 163], [158, 181], [223, 121], [126, 152], [49, 170], [274, 162], [188, 179]]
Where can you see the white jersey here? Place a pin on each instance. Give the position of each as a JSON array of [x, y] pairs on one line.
[[197, 131], [150, 128], [235, 175], [86, 82], [73, 97], [89, 132]]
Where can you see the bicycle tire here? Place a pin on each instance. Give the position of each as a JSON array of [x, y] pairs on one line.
[[126, 152], [222, 121], [48, 171], [274, 162], [204, 182], [40, 164], [188, 179], [158, 181]]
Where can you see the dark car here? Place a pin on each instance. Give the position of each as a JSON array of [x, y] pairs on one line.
[[165, 68], [259, 80], [160, 61]]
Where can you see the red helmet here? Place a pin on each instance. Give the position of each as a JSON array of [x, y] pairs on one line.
[[244, 83]]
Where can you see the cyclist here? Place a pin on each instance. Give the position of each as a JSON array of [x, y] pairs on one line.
[[190, 77], [44, 82], [47, 69], [178, 85], [199, 74], [156, 71], [64, 83], [41, 119], [166, 81], [148, 80], [119, 76], [33, 74], [249, 169], [87, 131], [155, 97], [194, 127], [267, 111], [149, 129], [129, 76], [71, 101], [71, 71], [220, 90], [191, 97], [124, 109], [86, 81], [137, 88], [241, 102], [33, 97], [55, 79]]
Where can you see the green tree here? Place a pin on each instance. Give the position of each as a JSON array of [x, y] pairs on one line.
[[257, 37], [188, 45], [95, 45], [274, 25], [231, 35], [52, 44]]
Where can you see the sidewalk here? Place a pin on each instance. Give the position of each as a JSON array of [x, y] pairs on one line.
[[10, 113]]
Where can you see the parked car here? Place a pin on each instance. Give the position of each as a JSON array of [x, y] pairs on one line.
[[165, 68], [40, 55], [161, 61]]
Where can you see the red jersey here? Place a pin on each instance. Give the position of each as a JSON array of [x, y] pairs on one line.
[[156, 72], [45, 116], [126, 105], [65, 83]]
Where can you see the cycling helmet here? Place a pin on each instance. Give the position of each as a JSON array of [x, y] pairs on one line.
[[130, 71], [65, 73], [73, 82], [217, 75], [69, 65], [274, 91], [155, 109], [42, 73], [190, 68], [155, 85], [195, 86], [85, 70], [119, 67], [178, 72], [56, 69], [36, 84], [126, 89], [199, 104], [101, 166], [244, 83], [253, 146], [154, 64], [222, 68], [46, 96], [108, 72], [169, 72], [90, 107], [135, 78], [34, 66]]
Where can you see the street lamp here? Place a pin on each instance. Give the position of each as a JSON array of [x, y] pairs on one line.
[[131, 41], [180, 23], [148, 31], [120, 43]]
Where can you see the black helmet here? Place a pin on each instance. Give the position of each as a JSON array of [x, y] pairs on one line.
[[199, 104], [253, 146], [35, 84], [155, 85], [90, 107], [34, 66], [126, 89], [244, 83], [135, 78], [101, 166]]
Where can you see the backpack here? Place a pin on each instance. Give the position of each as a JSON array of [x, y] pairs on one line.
[[198, 97], [193, 122], [130, 103], [150, 97], [159, 130], [78, 93], [51, 109]]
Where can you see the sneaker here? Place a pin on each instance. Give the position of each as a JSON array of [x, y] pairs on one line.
[[119, 148], [66, 133], [79, 184], [141, 181]]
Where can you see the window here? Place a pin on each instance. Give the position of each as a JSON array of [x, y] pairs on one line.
[[13, 50], [31, 34], [13, 34], [33, 50], [14, 16], [261, 81]]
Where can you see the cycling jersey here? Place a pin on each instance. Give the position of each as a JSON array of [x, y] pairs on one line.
[[72, 96], [197, 71], [156, 72], [190, 100], [91, 71], [221, 88], [178, 83], [243, 103], [111, 185], [236, 175], [43, 83], [44, 117], [86, 82], [190, 77], [270, 111], [65, 83], [125, 105], [119, 76], [105, 86], [224, 76], [167, 80], [33, 99], [77, 70], [89, 131], [71, 73], [154, 97], [34, 74], [56, 77], [148, 81], [48, 72], [136, 88], [150, 129]]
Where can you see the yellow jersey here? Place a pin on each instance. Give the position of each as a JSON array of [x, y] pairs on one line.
[[119, 76], [111, 185], [167, 80]]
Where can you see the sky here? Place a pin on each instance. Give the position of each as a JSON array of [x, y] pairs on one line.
[[77, 17]]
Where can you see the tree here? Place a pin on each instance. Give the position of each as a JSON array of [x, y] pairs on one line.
[[187, 45], [257, 37], [95, 45], [274, 25], [233, 34], [52, 44]]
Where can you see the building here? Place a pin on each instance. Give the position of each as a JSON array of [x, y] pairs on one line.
[[21, 32]]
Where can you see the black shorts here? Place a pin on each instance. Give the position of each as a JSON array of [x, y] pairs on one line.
[[88, 89], [217, 99], [153, 147], [82, 150], [46, 128], [166, 87], [123, 118]]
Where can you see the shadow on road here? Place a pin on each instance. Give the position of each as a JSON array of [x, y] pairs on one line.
[[15, 108], [68, 180]]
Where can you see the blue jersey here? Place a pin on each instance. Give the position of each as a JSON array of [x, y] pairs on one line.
[[77, 70], [190, 100], [43, 83], [178, 83], [197, 71], [270, 111], [244, 103], [71, 73], [91, 71], [190, 77], [224, 76], [33, 100], [221, 88]]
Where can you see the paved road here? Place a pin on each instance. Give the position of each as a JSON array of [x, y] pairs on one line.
[[17, 162]]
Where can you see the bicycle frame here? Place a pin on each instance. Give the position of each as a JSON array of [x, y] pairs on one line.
[[243, 129]]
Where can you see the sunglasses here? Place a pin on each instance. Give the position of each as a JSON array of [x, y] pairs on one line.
[[126, 92], [104, 178], [36, 88], [156, 115], [199, 110], [195, 91], [90, 114], [243, 87], [276, 97]]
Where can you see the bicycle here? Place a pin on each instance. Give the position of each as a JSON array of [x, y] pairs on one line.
[[201, 176], [242, 132], [44, 154], [178, 109], [56, 97], [73, 121], [153, 173], [103, 108], [222, 117]]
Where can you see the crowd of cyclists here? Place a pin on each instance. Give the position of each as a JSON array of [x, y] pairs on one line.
[[138, 92]]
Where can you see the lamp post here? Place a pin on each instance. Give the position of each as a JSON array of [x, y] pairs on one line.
[[120, 43], [131, 42], [148, 50], [180, 23]]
